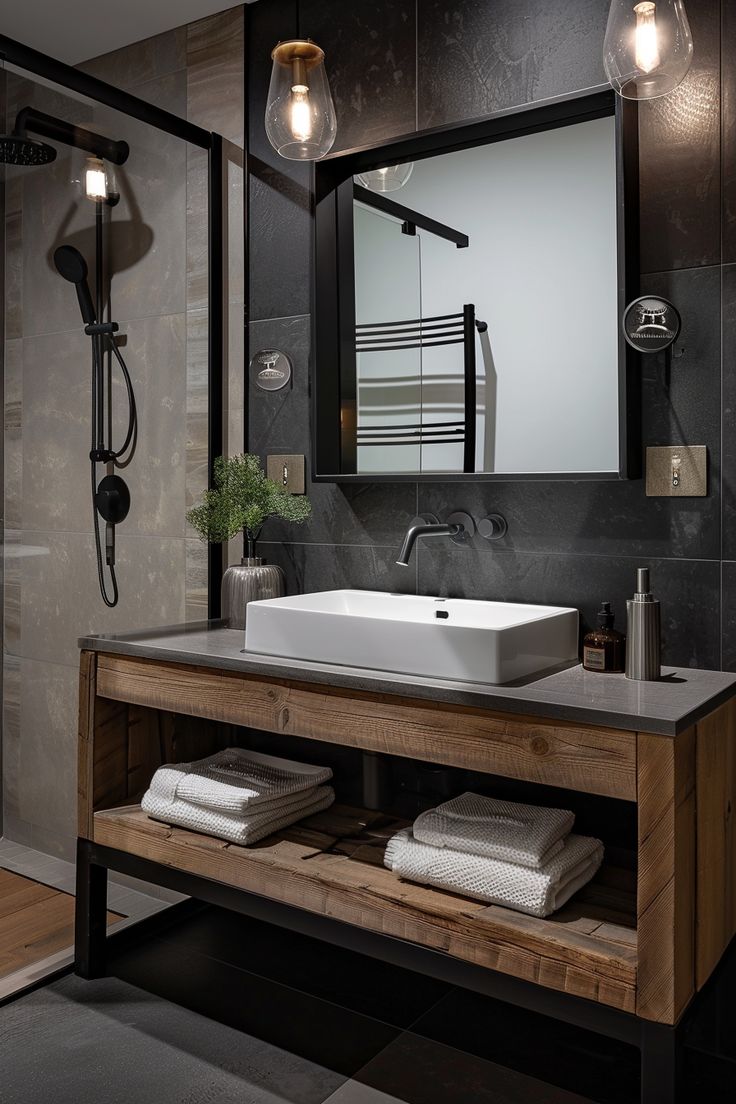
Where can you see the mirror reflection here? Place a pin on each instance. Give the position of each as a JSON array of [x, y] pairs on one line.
[[486, 310]]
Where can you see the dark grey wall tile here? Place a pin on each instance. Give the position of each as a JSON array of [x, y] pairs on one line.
[[602, 519], [728, 130], [689, 411], [688, 590], [370, 52], [279, 192], [280, 422], [680, 166], [729, 411], [334, 567], [281, 243], [728, 615], [477, 57]]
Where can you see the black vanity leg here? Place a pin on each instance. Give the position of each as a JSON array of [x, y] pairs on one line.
[[90, 920], [661, 1064]]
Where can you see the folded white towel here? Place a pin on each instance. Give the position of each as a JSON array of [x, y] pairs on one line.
[[236, 780], [237, 829], [536, 892], [506, 830]]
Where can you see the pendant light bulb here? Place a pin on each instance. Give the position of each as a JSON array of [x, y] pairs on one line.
[[648, 49], [300, 114]]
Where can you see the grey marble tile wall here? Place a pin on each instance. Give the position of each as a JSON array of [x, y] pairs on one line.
[[399, 65], [159, 257], [3, 82]]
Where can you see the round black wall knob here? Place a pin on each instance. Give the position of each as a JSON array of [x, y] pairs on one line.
[[493, 527]]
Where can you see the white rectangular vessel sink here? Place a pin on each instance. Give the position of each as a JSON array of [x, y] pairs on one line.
[[449, 638]]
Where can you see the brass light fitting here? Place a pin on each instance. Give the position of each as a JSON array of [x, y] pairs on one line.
[[300, 114]]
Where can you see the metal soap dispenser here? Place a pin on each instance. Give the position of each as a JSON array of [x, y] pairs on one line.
[[644, 632]]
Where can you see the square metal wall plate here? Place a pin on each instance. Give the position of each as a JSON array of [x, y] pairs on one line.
[[289, 471], [677, 471]]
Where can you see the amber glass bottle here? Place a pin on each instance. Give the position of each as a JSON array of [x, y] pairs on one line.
[[604, 649]]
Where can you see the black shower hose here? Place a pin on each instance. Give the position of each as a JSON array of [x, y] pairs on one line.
[[117, 459]]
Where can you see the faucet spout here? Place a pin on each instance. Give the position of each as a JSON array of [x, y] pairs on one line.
[[424, 529]]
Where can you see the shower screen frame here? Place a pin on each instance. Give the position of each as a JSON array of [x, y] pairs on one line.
[[66, 76]]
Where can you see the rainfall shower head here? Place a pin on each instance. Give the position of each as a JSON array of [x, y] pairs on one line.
[[18, 149], [72, 266]]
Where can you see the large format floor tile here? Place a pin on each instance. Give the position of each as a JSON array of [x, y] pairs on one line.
[[416, 1071], [76, 1042], [179, 1021]]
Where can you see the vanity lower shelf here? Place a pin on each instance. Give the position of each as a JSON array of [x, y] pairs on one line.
[[332, 864]]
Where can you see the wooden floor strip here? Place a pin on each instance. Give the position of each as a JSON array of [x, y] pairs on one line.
[[35, 921]]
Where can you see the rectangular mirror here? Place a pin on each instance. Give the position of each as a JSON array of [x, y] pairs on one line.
[[470, 285]]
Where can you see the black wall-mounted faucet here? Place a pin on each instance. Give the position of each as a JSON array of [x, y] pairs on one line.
[[419, 529], [458, 527]]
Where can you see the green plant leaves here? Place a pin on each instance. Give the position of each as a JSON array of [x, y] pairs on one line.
[[243, 498]]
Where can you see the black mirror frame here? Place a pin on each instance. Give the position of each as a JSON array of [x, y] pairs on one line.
[[334, 315]]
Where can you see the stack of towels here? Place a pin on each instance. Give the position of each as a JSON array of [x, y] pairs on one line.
[[236, 795], [519, 856]]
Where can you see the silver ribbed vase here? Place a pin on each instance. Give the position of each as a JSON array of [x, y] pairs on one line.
[[249, 581]]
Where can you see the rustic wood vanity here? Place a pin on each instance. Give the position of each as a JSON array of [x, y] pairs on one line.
[[625, 957]]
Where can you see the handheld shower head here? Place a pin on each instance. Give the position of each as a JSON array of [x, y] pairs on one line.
[[72, 266]]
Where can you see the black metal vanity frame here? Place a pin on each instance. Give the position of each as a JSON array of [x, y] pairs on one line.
[[66, 76], [334, 315]]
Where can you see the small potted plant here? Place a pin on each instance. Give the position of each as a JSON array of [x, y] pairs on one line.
[[243, 498]]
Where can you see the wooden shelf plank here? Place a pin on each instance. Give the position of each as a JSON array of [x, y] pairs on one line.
[[331, 864]]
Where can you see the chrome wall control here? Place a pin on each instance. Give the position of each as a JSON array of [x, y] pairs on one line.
[[493, 527], [467, 530]]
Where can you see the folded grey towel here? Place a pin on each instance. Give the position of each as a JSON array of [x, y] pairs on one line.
[[536, 892], [234, 828], [506, 830], [236, 780]]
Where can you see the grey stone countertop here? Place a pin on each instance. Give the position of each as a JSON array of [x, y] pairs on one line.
[[668, 706]]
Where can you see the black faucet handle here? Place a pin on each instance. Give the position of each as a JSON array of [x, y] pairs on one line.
[[466, 525]]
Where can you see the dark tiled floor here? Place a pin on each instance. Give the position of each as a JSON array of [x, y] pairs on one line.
[[219, 1009]]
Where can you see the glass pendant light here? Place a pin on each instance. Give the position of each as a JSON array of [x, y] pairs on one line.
[[300, 114], [386, 180], [648, 47]]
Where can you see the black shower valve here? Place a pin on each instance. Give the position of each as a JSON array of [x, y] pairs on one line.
[[112, 499]]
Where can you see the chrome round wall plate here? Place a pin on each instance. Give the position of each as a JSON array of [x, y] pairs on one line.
[[271, 370], [651, 324]]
